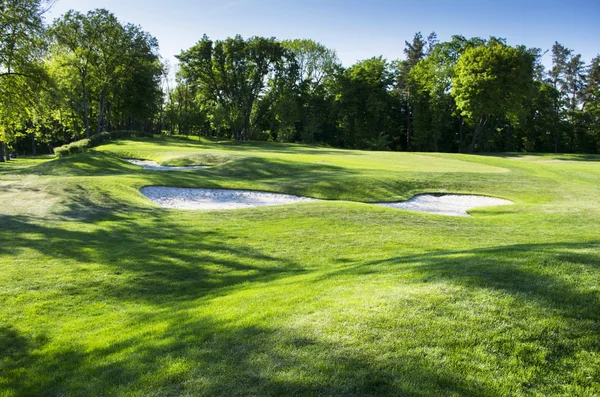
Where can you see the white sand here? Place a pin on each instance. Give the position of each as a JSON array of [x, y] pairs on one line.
[[448, 204], [213, 199], [153, 165]]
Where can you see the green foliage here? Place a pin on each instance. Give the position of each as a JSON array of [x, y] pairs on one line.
[[100, 61], [364, 103], [73, 148], [231, 75], [90, 72], [492, 81]]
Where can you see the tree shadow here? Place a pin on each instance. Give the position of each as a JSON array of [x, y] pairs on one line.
[[91, 163], [207, 357], [514, 269], [559, 282], [281, 148], [549, 156], [170, 267], [154, 261]]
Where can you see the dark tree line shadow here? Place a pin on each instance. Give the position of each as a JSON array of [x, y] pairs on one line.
[[549, 156]]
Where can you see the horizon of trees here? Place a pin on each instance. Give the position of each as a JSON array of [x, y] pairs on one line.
[[88, 73]]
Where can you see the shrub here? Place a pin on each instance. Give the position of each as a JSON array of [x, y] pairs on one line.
[[61, 151], [79, 146]]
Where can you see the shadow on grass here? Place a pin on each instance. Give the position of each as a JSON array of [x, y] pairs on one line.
[[253, 168], [205, 357], [151, 261], [281, 148], [549, 156], [20, 164], [158, 263], [558, 278], [520, 270], [91, 163]]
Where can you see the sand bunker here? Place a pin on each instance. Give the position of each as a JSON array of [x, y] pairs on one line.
[[153, 165], [447, 204], [213, 199]]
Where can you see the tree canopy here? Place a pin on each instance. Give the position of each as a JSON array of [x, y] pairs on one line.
[[90, 72]]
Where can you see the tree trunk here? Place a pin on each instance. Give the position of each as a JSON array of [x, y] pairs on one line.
[[33, 148], [408, 128], [2, 152], [86, 119], [461, 131], [100, 114], [6, 151], [480, 125], [107, 125], [246, 128]]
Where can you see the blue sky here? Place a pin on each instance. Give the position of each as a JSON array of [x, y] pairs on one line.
[[359, 29]]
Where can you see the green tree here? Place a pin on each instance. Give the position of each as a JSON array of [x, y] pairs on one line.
[[492, 81], [310, 99], [21, 70], [366, 107], [77, 37], [232, 74], [115, 63], [435, 119], [590, 107], [414, 52]]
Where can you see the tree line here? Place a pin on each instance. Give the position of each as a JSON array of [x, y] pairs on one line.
[[463, 95], [88, 73], [83, 74]]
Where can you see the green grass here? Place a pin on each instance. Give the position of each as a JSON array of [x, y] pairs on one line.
[[104, 293]]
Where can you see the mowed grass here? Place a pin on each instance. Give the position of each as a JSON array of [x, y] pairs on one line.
[[104, 293]]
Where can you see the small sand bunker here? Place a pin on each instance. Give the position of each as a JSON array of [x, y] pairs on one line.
[[153, 165], [215, 199], [447, 204]]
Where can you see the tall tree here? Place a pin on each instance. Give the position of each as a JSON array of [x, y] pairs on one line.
[[232, 74], [557, 78], [366, 108], [78, 36], [414, 52], [114, 64], [21, 46], [307, 102], [492, 81]]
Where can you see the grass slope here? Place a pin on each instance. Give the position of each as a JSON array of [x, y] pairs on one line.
[[104, 293]]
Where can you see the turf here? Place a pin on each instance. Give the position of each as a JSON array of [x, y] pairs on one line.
[[104, 293]]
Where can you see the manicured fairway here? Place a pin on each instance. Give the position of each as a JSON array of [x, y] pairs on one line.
[[104, 293]]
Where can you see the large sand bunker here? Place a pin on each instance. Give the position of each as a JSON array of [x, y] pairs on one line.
[[154, 166], [213, 199], [446, 204]]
